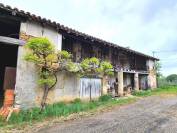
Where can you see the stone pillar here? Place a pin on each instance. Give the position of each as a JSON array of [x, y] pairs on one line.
[[152, 81], [120, 83], [104, 85], [136, 82]]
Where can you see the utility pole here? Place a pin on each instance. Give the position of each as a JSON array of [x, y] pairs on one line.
[[153, 53]]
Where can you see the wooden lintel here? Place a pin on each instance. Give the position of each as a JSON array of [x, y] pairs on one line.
[[12, 41]]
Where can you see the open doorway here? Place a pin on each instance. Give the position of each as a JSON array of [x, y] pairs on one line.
[[143, 81], [128, 80], [8, 58], [10, 27]]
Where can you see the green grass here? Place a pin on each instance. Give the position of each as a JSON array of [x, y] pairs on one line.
[[63, 109], [158, 91]]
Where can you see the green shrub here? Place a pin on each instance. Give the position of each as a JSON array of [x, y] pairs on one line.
[[61, 109], [105, 98], [142, 93], [77, 100], [157, 91], [65, 109]]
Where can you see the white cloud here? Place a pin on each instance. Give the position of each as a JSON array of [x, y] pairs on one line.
[[144, 25]]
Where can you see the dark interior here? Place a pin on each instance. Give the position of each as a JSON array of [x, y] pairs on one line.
[[8, 57], [141, 63], [143, 82], [9, 28]]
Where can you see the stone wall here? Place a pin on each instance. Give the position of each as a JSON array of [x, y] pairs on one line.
[[26, 87], [152, 81], [32, 29], [29, 93]]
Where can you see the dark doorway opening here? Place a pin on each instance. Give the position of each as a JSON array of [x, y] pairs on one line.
[[128, 79], [9, 27], [8, 58], [143, 81]]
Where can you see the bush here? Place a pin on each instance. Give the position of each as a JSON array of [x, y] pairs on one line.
[[142, 93], [77, 100], [105, 98]]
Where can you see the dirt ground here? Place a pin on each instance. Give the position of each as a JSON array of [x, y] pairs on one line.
[[150, 115]]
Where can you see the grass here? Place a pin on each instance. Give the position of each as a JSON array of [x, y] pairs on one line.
[[62, 109], [158, 91]]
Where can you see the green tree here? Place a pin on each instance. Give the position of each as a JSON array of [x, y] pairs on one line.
[[172, 78], [93, 66], [48, 61], [158, 67]]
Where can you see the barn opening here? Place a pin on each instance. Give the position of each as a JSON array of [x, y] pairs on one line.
[[128, 80], [9, 37], [143, 81], [8, 63], [9, 25]]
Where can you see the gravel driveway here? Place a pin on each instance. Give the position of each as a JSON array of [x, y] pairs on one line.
[[150, 115]]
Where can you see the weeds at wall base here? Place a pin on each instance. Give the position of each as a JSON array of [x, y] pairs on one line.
[[65, 109], [61, 109]]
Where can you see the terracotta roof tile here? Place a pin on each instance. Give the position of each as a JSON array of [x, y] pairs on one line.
[[68, 30]]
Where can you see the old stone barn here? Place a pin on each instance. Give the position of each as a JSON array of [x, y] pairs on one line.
[[133, 70]]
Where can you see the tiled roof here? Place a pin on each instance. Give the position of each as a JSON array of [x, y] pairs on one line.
[[59, 27]]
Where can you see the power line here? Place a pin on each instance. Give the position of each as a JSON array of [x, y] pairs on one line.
[[174, 58], [168, 61], [166, 51]]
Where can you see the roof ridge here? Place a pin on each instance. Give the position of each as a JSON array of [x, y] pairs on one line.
[[59, 26]]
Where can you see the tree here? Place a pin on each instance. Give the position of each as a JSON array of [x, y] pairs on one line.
[[172, 78], [48, 61], [91, 67], [158, 67]]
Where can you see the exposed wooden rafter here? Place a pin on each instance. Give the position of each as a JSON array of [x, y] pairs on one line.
[[12, 41]]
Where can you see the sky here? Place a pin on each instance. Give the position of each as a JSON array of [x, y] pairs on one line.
[[142, 25]]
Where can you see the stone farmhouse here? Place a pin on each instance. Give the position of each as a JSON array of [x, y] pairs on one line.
[[133, 70]]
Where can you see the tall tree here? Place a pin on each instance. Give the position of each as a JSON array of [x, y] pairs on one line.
[[48, 61], [172, 78], [158, 67]]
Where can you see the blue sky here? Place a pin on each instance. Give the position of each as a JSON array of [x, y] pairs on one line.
[[142, 25]]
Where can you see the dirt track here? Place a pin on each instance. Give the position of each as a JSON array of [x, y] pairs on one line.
[[150, 115]]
